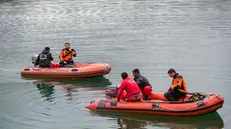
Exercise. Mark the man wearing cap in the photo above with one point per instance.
(178, 88)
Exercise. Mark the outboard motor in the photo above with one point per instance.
(111, 91)
(33, 58)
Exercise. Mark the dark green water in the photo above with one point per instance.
(192, 36)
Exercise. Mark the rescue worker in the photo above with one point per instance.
(178, 88)
(44, 58)
(143, 83)
(66, 55)
(129, 89)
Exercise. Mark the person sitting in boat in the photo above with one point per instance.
(143, 83)
(178, 88)
(66, 55)
(128, 89)
(44, 58)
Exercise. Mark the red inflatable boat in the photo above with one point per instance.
(194, 104)
(77, 70)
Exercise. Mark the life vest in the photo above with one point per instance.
(179, 83)
(66, 55)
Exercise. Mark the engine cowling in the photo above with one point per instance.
(111, 91)
(33, 58)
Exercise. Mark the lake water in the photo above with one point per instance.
(192, 36)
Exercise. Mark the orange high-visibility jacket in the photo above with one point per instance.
(178, 83)
(66, 55)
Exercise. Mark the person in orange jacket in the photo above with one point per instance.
(128, 89)
(66, 55)
(178, 88)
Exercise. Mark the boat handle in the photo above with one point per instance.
(27, 69)
(74, 70)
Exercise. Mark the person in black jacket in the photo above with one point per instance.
(44, 58)
(143, 83)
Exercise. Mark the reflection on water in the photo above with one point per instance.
(81, 82)
(68, 86)
(46, 90)
(134, 121)
(131, 124)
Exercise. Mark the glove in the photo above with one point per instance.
(74, 51)
(176, 88)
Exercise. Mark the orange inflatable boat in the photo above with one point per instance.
(78, 70)
(194, 104)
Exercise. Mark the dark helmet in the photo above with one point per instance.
(47, 48)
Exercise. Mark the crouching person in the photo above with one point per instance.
(128, 90)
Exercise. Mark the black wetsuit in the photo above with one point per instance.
(142, 81)
(44, 59)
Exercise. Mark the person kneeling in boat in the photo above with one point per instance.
(178, 88)
(44, 59)
(128, 89)
(66, 55)
(143, 83)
